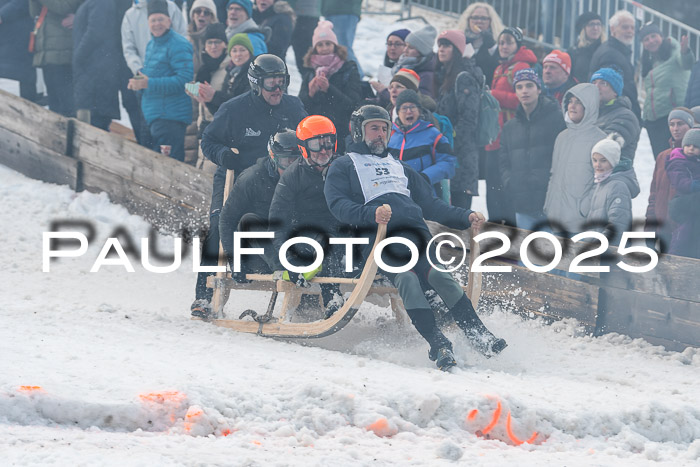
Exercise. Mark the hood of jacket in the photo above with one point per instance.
(588, 94)
(628, 177)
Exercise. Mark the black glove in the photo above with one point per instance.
(230, 160)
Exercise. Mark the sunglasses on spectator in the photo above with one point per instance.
(274, 83)
(321, 142)
(480, 18)
(396, 44)
(202, 11)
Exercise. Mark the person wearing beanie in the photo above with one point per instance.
(420, 144)
(202, 14)
(279, 17)
(680, 121)
(458, 83)
(239, 19)
(167, 67)
(513, 57)
(395, 46)
(210, 74)
(615, 113)
(556, 74)
(616, 53)
(527, 143)
(683, 170)
(591, 33)
(403, 79)
(419, 57)
(666, 68)
(331, 84)
(614, 187)
(344, 14)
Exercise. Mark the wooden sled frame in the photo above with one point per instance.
(222, 284)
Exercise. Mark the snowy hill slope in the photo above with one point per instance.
(100, 345)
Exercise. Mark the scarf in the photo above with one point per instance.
(246, 25)
(326, 65)
(209, 66)
(597, 178)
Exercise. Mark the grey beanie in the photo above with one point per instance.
(691, 137)
(423, 39)
(683, 115)
(696, 113)
(408, 95)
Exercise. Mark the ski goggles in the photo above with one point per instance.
(321, 142)
(285, 161)
(274, 83)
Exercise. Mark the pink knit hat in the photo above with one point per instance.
(456, 38)
(562, 59)
(324, 32)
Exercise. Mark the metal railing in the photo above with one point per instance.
(551, 23)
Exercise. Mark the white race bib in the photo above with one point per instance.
(380, 175)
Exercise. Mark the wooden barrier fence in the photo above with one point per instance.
(661, 306)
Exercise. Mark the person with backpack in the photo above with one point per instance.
(420, 144)
(331, 84)
(458, 89)
(527, 143)
(513, 57)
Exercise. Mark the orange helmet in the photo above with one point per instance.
(312, 128)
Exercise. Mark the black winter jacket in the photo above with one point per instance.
(526, 154)
(298, 204)
(618, 117)
(581, 61)
(96, 58)
(246, 124)
(692, 94)
(461, 105)
(252, 193)
(614, 52)
(280, 19)
(347, 203)
(343, 95)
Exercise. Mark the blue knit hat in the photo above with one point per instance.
(402, 33)
(247, 5)
(527, 74)
(612, 77)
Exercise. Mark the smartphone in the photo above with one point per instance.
(193, 88)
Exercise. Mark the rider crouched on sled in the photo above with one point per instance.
(299, 209)
(359, 184)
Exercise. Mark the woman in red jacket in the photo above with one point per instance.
(513, 56)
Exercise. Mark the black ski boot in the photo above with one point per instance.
(440, 346)
(201, 309)
(481, 338)
(334, 305)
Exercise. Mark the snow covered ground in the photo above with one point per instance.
(107, 369)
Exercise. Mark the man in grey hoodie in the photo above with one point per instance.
(571, 160)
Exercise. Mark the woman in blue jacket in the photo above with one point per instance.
(167, 67)
(419, 143)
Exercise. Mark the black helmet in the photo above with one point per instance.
(283, 148)
(364, 115)
(266, 66)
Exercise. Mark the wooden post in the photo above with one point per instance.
(221, 292)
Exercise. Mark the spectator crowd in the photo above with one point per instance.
(553, 134)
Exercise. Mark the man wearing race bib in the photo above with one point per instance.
(359, 184)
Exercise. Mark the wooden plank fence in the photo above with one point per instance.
(661, 306)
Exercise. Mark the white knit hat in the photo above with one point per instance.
(610, 148)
